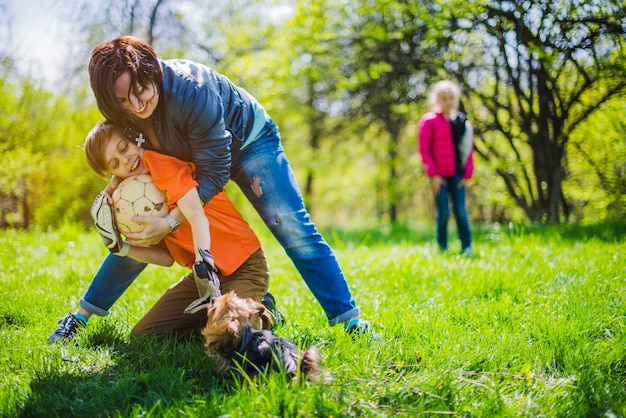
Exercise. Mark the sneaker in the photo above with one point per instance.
(270, 303)
(468, 252)
(361, 328)
(67, 329)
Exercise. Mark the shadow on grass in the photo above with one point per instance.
(380, 235)
(610, 231)
(140, 377)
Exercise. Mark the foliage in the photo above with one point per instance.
(546, 67)
(346, 83)
(43, 166)
(534, 325)
(148, 19)
(33, 143)
(311, 71)
(384, 73)
(22, 143)
(596, 182)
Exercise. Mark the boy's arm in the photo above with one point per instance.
(191, 207)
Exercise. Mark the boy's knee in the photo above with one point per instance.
(250, 280)
(245, 288)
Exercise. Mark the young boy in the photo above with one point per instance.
(216, 226)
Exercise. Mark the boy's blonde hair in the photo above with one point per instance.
(95, 144)
(443, 86)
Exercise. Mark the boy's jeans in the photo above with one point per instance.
(451, 188)
(265, 176)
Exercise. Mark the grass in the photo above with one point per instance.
(533, 325)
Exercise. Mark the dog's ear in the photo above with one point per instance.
(260, 317)
(267, 320)
(259, 308)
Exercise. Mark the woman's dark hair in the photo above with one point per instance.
(110, 60)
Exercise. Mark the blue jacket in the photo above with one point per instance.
(201, 117)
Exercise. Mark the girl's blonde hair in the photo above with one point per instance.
(95, 144)
(441, 87)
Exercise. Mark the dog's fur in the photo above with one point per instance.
(240, 340)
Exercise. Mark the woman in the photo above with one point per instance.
(445, 144)
(191, 112)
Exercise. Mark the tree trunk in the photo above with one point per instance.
(315, 121)
(393, 127)
(549, 175)
(25, 205)
(153, 17)
(308, 189)
(555, 195)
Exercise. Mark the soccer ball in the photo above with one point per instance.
(137, 196)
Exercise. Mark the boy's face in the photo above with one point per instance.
(123, 158)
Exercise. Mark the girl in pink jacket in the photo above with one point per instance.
(445, 144)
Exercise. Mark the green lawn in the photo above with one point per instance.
(533, 325)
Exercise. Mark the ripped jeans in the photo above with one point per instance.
(263, 173)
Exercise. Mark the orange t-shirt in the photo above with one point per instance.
(232, 239)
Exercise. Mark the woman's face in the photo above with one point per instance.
(141, 105)
(123, 158)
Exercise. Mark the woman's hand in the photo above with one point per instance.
(156, 228)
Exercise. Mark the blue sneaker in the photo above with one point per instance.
(361, 328)
(67, 329)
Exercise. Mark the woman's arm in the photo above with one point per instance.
(197, 109)
(210, 150)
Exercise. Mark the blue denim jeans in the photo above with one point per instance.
(263, 173)
(457, 194)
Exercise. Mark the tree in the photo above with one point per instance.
(306, 80)
(596, 159)
(546, 67)
(392, 58)
(20, 129)
(41, 161)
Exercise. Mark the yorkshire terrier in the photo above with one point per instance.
(238, 335)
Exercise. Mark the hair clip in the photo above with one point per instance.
(140, 140)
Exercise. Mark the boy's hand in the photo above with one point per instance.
(102, 214)
(207, 282)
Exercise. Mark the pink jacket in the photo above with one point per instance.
(437, 147)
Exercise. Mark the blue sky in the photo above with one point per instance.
(39, 37)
